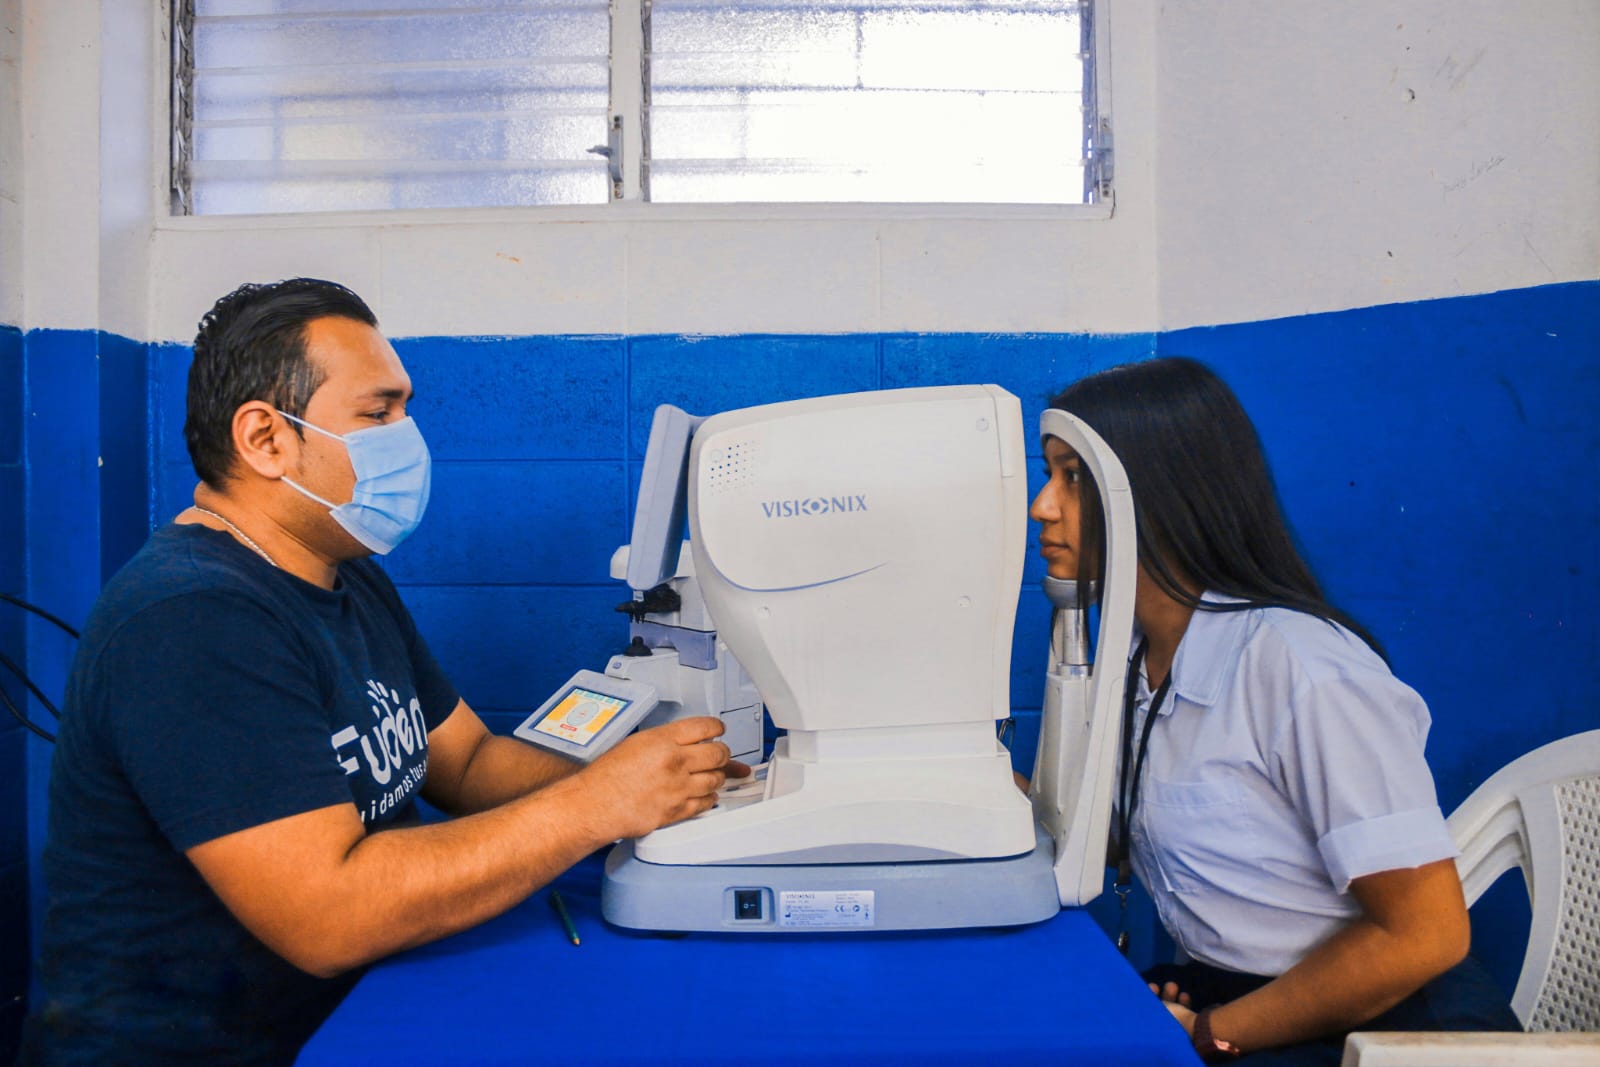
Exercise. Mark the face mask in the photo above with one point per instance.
(393, 476)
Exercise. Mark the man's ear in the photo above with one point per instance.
(258, 438)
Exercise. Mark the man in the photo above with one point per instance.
(251, 704)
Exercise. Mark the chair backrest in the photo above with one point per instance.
(1541, 813)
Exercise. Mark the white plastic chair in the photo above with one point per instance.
(1540, 813)
(1377, 1049)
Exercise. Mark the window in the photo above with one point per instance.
(325, 105)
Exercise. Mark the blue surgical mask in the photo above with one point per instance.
(393, 475)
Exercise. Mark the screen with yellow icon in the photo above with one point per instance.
(588, 715)
(581, 715)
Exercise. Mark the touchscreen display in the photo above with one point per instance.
(579, 716)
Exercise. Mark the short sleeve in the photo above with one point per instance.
(1352, 762)
(217, 720)
(435, 692)
(438, 696)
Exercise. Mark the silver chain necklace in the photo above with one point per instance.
(240, 534)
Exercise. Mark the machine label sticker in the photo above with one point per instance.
(581, 715)
(836, 907)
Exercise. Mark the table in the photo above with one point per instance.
(514, 990)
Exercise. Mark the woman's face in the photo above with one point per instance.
(1056, 510)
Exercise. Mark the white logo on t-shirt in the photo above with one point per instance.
(398, 731)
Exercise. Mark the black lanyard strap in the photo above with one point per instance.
(1128, 784)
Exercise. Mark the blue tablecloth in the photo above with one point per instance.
(515, 991)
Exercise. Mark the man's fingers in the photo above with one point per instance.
(703, 783)
(706, 756)
(693, 806)
(693, 730)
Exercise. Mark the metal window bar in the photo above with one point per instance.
(630, 96)
(181, 102)
(1098, 166)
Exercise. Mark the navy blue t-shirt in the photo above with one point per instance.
(212, 692)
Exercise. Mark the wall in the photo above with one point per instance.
(1436, 458)
(1315, 157)
(13, 772)
(13, 769)
(1438, 462)
(1379, 221)
(508, 575)
(529, 504)
(10, 162)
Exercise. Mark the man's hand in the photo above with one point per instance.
(658, 776)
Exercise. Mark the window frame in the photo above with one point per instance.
(627, 202)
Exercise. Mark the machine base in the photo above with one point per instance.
(854, 897)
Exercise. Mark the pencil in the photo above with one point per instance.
(561, 912)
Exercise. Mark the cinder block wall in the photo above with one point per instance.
(13, 765)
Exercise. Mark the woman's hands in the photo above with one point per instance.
(1177, 1002)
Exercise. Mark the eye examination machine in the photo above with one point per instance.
(853, 565)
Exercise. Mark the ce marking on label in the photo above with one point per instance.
(850, 908)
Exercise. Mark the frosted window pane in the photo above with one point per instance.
(285, 189)
(925, 102)
(306, 105)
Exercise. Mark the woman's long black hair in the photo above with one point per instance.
(1205, 503)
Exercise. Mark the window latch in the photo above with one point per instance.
(612, 150)
(1102, 162)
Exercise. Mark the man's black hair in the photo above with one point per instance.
(1203, 497)
(251, 346)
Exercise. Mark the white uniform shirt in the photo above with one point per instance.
(1285, 761)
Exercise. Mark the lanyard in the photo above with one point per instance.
(1128, 784)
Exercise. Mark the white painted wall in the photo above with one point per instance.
(1274, 157)
(133, 158)
(60, 108)
(10, 161)
(694, 269)
(1315, 156)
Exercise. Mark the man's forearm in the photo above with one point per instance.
(503, 769)
(325, 894)
(404, 887)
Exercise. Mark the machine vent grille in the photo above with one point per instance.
(732, 466)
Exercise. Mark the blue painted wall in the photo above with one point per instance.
(13, 774)
(1437, 459)
(538, 444)
(75, 448)
(1441, 464)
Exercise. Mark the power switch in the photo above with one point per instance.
(747, 905)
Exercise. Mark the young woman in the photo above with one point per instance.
(1273, 798)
